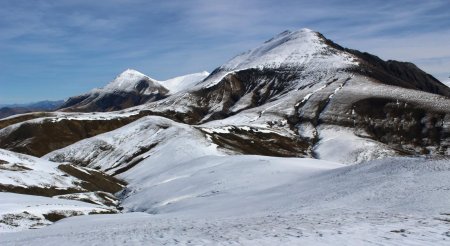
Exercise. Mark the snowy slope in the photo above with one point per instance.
(173, 167)
(340, 228)
(395, 201)
(147, 138)
(20, 212)
(26, 171)
(185, 82)
(243, 185)
(42, 179)
(154, 153)
(215, 185)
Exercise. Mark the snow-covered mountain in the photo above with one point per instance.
(299, 83)
(129, 89)
(297, 141)
(304, 83)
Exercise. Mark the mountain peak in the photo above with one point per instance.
(130, 71)
(129, 88)
(290, 48)
(290, 32)
(127, 81)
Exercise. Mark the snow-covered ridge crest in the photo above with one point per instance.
(184, 82)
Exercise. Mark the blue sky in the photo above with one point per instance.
(56, 48)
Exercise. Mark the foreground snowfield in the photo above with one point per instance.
(184, 189)
(254, 200)
(338, 228)
(20, 212)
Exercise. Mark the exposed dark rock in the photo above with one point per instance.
(95, 180)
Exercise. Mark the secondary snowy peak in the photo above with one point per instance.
(131, 80)
(291, 48)
(130, 88)
(184, 82)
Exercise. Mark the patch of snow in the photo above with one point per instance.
(228, 129)
(27, 171)
(340, 144)
(20, 212)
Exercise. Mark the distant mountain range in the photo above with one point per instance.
(12, 109)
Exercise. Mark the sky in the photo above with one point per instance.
(55, 49)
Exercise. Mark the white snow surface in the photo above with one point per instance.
(19, 212)
(253, 200)
(26, 171)
(185, 82)
(216, 185)
(340, 144)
